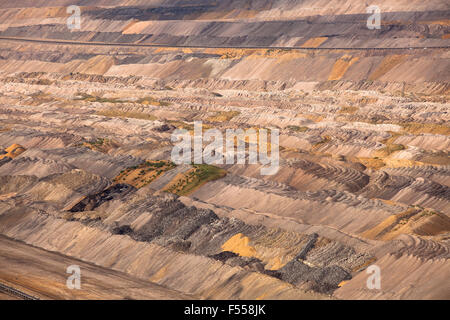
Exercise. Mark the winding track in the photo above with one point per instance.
(16, 293)
(59, 41)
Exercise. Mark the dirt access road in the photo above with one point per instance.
(137, 45)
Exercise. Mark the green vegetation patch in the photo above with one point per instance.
(298, 128)
(191, 180)
(91, 98)
(118, 113)
(141, 175)
(152, 101)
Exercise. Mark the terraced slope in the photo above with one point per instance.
(234, 23)
(364, 177)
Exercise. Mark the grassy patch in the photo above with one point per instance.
(118, 113)
(182, 125)
(91, 98)
(152, 101)
(188, 126)
(44, 82)
(297, 128)
(187, 182)
(390, 147)
(224, 116)
(99, 141)
(325, 139)
(380, 159)
(100, 145)
(141, 175)
(145, 101)
(348, 110)
(372, 163)
(417, 128)
(39, 98)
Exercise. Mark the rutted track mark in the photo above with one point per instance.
(16, 293)
(209, 47)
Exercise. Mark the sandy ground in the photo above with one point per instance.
(42, 274)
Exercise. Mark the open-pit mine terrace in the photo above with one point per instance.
(86, 176)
